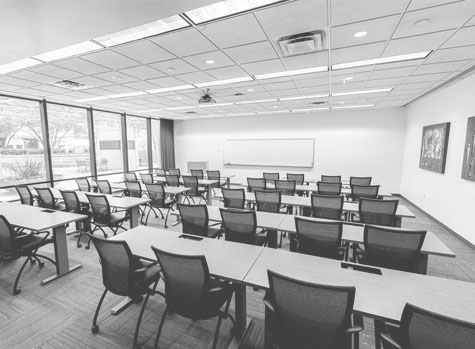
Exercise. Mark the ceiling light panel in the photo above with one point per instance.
(353, 106)
(258, 101)
(391, 59)
(92, 99)
(349, 93)
(173, 88)
(304, 97)
(127, 94)
(69, 51)
(224, 82)
(18, 65)
(291, 72)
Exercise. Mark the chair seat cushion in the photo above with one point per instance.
(147, 278)
(31, 241)
(117, 218)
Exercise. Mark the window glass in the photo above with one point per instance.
(137, 142)
(156, 144)
(108, 142)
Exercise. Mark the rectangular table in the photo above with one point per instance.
(39, 219)
(313, 188)
(208, 183)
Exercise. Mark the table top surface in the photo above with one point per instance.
(226, 259)
(200, 181)
(263, 219)
(312, 187)
(123, 202)
(36, 218)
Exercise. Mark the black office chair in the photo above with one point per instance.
(174, 172)
(234, 198)
(103, 186)
(147, 178)
(299, 178)
(134, 189)
(73, 205)
(420, 329)
(269, 201)
(270, 177)
(130, 177)
(191, 292)
(172, 180)
(15, 244)
(363, 191)
(241, 226)
(286, 187)
(158, 197)
(195, 190)
(195, 221)
(329, 188)
(327, 207)
(26, 197)
(216, 176)
(360, 180)
(47, 200)
(160, 172)
(391, 248)
(83, 184)
(124, 275)
(197, 173)
(319, 238)
(255, 184)
(305, 315)
(103, 217)
(377, 212)
(331, 179)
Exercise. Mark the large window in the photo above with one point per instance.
(137, 142)
(108, 142)
(156, 144)
(21, 142)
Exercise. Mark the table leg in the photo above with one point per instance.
(242, 322)
(228, 182)
(134, 216)
(422, 265)
(61, 255)
(272, 238)
(398, 221)
(209, 195)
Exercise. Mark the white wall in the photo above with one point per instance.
(447, 197)
(359, 143)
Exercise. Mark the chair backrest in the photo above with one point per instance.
(329, 188)
(299, 178)
(192, 183)
(117, 264)
(255, 184)
(310, 315)
(239, 226)
(318, 238)
(146, 178)
(160, 172)
(285, 187)
(130, 177)
(83, 184)
(331, 179)
(270, 177)
(328, 207)
(393, 248)
(101, 212)
(378, 212)
(364, 191)
(46, 198)
(197, 173)
(421, 328)
(156, 193)
(268, 201)
(360, 180)
(234, 198)
(7, 234)
(71, 201)
(172, 180)
(186, 281)
(26, 197)
(214, 174)
(194, 219)
(104, 186)
(134, 189)
(174, 171)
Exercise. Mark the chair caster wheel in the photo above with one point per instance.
(32, 262)
(79, 246)
(95, 329)
(87, 247)
(16, 292)
(41, 264)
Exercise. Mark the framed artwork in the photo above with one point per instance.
(468, 167)
(435, 139)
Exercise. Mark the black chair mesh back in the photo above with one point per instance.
(364, 191)
(160, 172)
(83, 184)
(186, 280)
(172, 180)
(6, 237)
(393, 248)
(320, 239)
(427, 330)
(270, 177)
(130, 176)
(46, 198)
(214, 175)
(71, 201)
(360, 180)
(192, 183)
(331, 179)
(268, 201)
(101, 212)
(156, 193)
(117, 263)
(378, 212)
(310, 315)
(194, 219)
(103, 186)
(174, 172)
(146, 178)
(197, 173)
(329, 188)
(297, 177)
(328, 207)
(239, 226)
(234, 198)
(24, 192)
(134, 189)
(285, 187)
(256, 184)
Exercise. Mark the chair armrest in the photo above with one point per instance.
(142, 270)
(214, 224)
(358, 325)
(269, 305)
(342, 252)
(386, 339)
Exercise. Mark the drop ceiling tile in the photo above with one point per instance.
(114, 89)
(38, 78)
(357, 53)
(419, 4)
(463, 37)
(279, 86)
(81, 66)
(470, 22)
(312, 90)
(174, 67)
(9, 88)
(424, 78)
(309, 60)
(141, 85)
(348, 11)
(115, 77)
(144, 51)
(196, 77)
(276, 80)
(378, 29)
(142, 72)
(418, 43)
(227, 72)
(184, 42)
(259, 51)
(353, 86)
(264, 67)
(350, 78)
(444, 17)
(16, 81)
(391, 73)
(199, 60)
(403, 93)
(51, 89)
(92, 81)
(414, 86)
(98, 91)
(111, 60)
(412, 63)
(382, 83)
(440, 67)
(312, 82)
(166, 82)
(352, 71)
(452, 54)
(57, 72)
(235, 31)
(80, 95)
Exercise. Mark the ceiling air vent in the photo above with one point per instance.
(71, 85)
(298, 44)
(316, 103)
(190, 112)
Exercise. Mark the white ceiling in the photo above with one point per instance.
(246, 44)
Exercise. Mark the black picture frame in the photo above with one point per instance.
(468, 163)
(435, 141)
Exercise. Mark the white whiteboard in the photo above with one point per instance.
(297, 152)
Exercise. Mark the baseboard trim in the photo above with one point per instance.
(461, 238)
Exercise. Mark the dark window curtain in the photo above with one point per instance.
(167, 143)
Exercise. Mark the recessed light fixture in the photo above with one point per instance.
(422, 23)
(354, 106)
(349, 93)
(168, 89)
(170, 69)
(348, 78)
(240, 114)
(250, 90)
(308, 110)
(181, 108)
(17, 65)
(258, 101)
(223, 82)
(391, 59)
(210, 61)
(360, 34)
(127, 94)
(116, 78)
(303, 97)
(69, 51)
(291, 72)
(210, 116)
(214, 105)
(273, 111)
